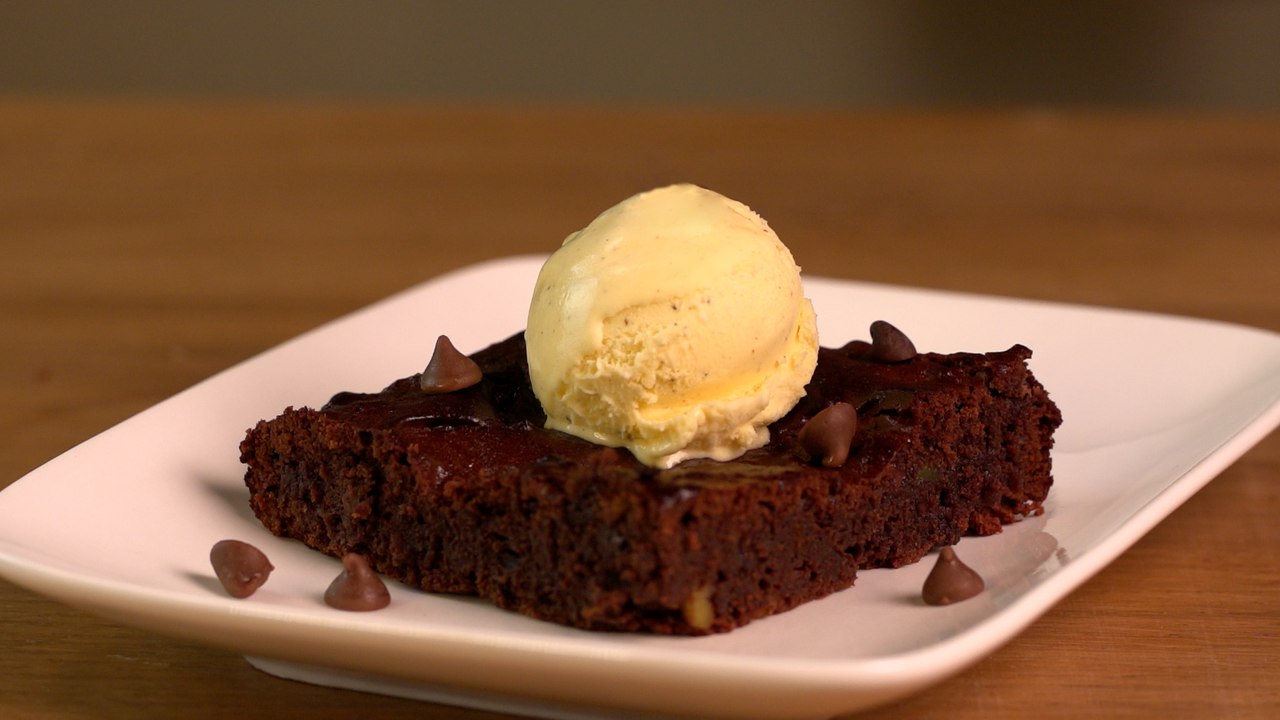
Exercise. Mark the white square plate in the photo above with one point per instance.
(121, 525)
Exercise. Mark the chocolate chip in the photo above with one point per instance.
(950, 581)
(449, 369)
(357, 588)
(889, 344)
(240, 567)
(828, 434)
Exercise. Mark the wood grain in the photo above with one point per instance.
(148, 245)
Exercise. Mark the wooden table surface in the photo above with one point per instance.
(147, 245)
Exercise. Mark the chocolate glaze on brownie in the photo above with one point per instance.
(467, 492)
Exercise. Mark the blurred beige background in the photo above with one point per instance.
(1197, 53)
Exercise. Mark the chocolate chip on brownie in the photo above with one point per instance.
(828, 434)
(449, 370)
(889, 344)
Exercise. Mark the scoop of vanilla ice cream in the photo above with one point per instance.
(674, 325)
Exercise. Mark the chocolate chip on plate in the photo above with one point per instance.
(889, 344)
(357, 588)
(449, 369)
(829, 434)
(950, 581)
(240, 567)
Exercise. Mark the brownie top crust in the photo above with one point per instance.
(498, 422)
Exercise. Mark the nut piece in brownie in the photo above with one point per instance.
(467, 492)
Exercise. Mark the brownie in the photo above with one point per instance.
(467, 492)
